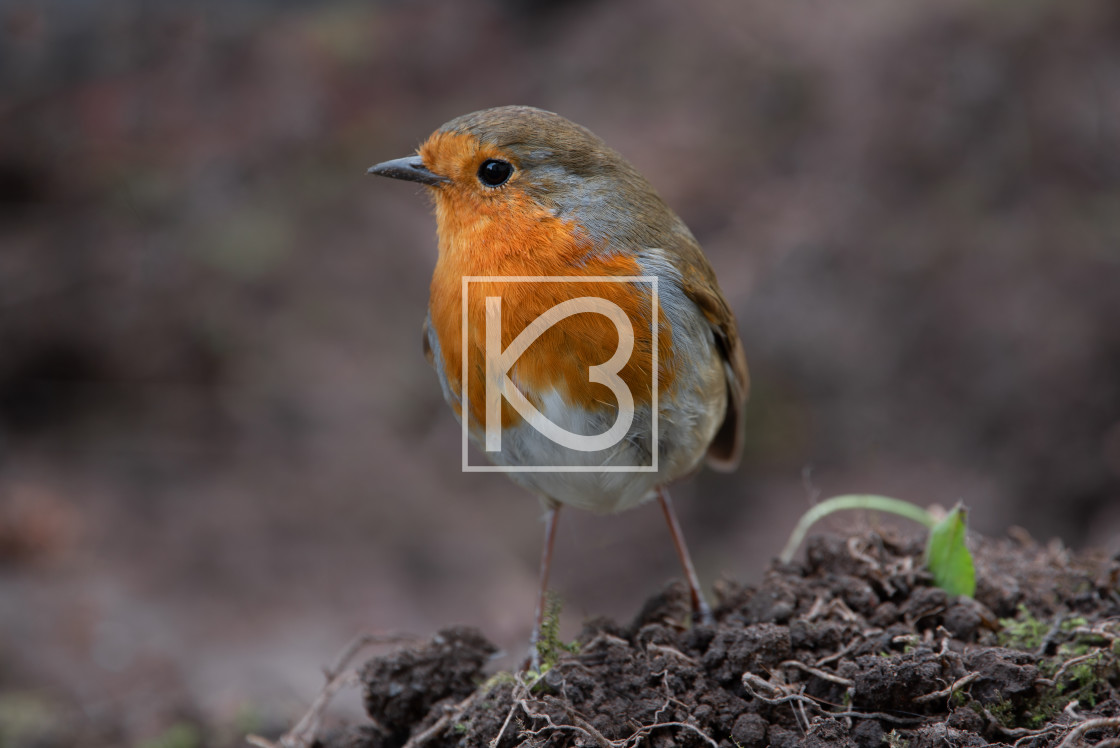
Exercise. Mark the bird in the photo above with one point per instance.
(558, 260)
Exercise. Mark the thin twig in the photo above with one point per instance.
(847, 648)
(589, 728)
(586, 728)
(517, 694)
(835, 605)
(1051, 635)
(1100, 628)
(451, 714)
(361, 642)
(947, 692)
(822, 674)
(1089, 724)
(553, 726)
(579, 721)
(683, 725)
(1037, 733)
(787, 699)
(1066, 666)
(662, 649)
(856, 552)
(431, 732)
(879, 715)
(1014, 732)
(303, 733)
(751, 681)
(803, 721)
(509, 716)
(604, 638)
(815, 609)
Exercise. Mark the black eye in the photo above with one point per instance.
(494, 173)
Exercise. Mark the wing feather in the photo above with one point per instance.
(700, 285)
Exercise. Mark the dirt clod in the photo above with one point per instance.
(854, 648)
(402, 689)
(1006, 674)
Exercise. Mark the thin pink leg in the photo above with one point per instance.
(700, 610)
(546, 567)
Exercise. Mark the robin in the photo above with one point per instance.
(576, 327)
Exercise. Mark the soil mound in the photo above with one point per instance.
(852, 647)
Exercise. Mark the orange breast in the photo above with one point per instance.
(483, 240)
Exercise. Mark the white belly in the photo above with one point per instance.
(624, 475)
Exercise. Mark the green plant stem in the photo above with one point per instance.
(852, 501)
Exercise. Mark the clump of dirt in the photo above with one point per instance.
(417, 681)
(852, 647)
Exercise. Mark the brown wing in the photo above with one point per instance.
(426, 342)
(699, 284)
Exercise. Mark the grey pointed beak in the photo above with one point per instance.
(409, 168)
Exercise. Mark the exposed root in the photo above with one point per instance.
(339, 675)
(1070, 663)
(451, 715)
(945, 693)
(786, 695)
(823, 674)
(1092, 724)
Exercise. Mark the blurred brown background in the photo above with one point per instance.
(222, 453)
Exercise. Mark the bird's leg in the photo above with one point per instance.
(546, 566)
(700, 611)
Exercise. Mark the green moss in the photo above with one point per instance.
(1014, 716)
(1024, 631)
(1004, 712)
(549, 646)
(1087, 682)
(1073, 623)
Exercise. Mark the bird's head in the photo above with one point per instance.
(519, 163)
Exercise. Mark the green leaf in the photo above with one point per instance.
(947, 556)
